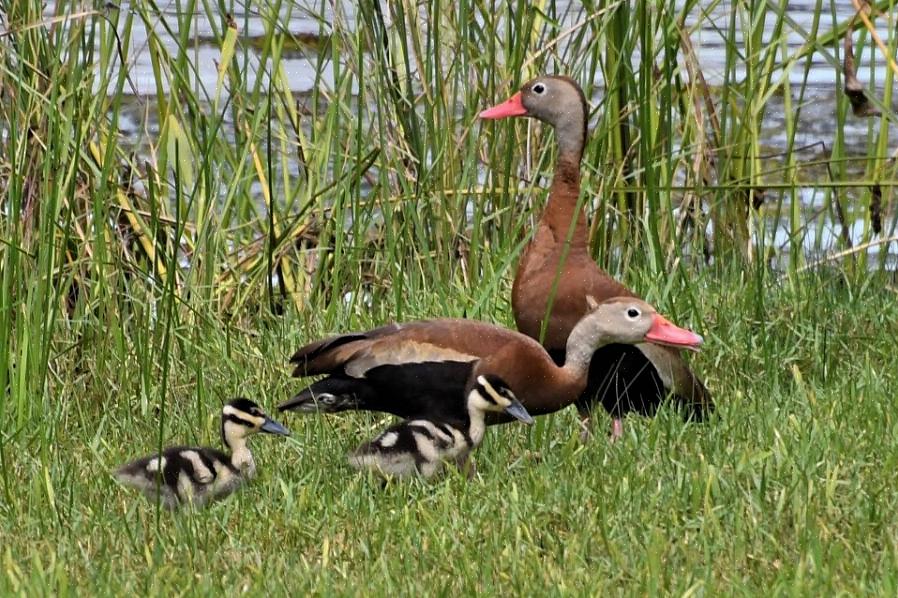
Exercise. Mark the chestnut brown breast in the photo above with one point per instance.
(621, 377)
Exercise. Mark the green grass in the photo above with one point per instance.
(379, 197)
(790, 486)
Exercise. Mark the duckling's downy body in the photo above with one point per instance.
(197, 475)
(422, 446)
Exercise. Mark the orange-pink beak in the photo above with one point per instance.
(663, 332)
(513, 106)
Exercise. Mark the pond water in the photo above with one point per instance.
(303, 19)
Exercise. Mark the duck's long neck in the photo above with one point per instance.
(562, 211)
(586, 337)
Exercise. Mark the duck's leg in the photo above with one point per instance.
(585, 427)
(617, 429)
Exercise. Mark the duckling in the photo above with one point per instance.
(197, 475)
(421, 446)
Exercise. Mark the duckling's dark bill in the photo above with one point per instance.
(517, 411)
(273, 427)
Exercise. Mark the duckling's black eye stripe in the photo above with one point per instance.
(491, 395)
(239, 420)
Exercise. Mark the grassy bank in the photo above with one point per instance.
(789, 486)
(143, 280)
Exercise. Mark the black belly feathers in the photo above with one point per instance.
(438, 388)
(184, 475)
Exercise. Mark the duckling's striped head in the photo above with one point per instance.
(242, 417)
(492, 393)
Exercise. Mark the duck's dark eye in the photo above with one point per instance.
(632, 313)
(539, 88)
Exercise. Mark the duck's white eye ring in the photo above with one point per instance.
(539, 88)
(632, 313)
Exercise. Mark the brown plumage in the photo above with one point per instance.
(622, 377)
(421, 369)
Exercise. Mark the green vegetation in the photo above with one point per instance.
(145, 280)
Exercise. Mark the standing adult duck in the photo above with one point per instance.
(622, 377)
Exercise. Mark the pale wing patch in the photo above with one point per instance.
(405, 352)
(226, 481)
(222, 470)
(460, 445)
(388, 439)
(202, 473)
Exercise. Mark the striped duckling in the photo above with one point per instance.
(421, 446)
(197, 475)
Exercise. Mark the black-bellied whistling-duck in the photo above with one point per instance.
(622, 377)
(422, 369)
(423, 446)
(196, 475)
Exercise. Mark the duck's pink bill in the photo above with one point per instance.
(513, 106)
(665, 333)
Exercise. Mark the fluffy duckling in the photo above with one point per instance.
(197, 475)
(422, 446)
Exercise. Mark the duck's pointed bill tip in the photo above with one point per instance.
(519, 412)
(663, 332)
(513, 106)
(273, 427)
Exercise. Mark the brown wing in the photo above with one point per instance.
(328, 355)
(426, 379)
(422, 341)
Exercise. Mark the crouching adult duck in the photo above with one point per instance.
(422, 369)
